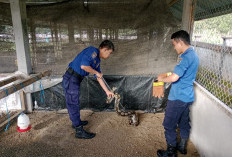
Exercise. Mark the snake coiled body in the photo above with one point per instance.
(133, 117)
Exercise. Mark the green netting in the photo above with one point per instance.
(139, 29)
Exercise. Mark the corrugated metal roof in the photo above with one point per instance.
(204, 8)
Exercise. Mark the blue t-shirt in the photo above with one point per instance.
(186, 69)
(88, 57)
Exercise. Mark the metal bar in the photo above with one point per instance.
(106, 84)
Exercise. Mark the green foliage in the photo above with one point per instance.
(41, 30)
(6, 29)
(7, 47)
(212, 29)
(126, 31)
(209, 80)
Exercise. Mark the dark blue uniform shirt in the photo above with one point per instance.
(182, 89)
(88, 57)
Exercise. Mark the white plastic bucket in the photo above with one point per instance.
(23, 123)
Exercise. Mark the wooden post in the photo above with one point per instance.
(23, 100)
(188, 16)
(71, 33)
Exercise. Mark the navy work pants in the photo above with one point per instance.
(71, 85)
(176, 115)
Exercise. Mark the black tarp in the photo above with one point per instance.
(135, 92)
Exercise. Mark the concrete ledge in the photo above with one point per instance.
(211, 125)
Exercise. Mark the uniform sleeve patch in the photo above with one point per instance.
(179, 60)
(94, 55)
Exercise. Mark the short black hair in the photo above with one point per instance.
(181, 35)
(107, 44)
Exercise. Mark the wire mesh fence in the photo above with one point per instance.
(215, 73)
(59, 32)
(7, 42)
(215, 54)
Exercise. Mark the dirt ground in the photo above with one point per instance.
(52, 135)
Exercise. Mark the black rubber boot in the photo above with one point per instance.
(170, 152)
(83, 123)
(81, 133)
(181, 146)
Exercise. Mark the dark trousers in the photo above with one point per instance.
(71, 85)
(176, 115)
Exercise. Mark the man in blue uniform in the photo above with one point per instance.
(87, 61)
(181, 95)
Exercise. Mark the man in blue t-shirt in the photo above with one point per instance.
(181, 95)
(87, 61)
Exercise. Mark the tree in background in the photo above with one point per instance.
(213, 29)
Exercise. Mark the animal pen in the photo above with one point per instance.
(38, 35)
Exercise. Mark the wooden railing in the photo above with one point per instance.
(15, 87)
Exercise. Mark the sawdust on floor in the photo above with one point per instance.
(52, 135)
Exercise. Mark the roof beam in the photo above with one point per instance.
(172, 3)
